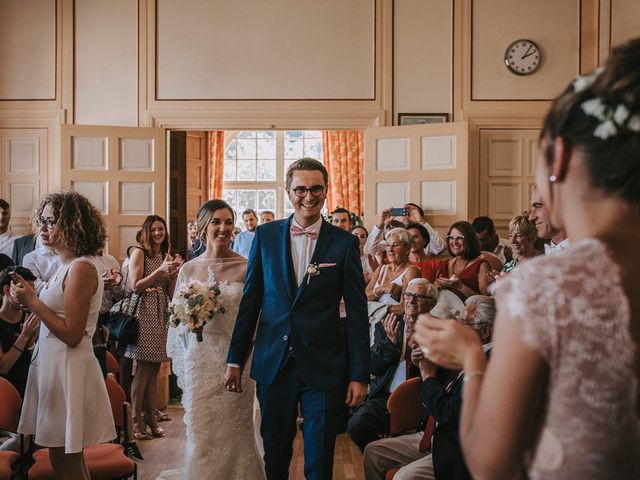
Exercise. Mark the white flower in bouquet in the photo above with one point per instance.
(197, 302)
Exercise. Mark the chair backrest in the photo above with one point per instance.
(405, 408)
(117, 398)
(112, 363)
(10, 406)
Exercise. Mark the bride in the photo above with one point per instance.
(220, 433)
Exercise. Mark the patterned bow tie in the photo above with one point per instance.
(295, 231)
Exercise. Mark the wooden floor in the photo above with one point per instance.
(167, 453)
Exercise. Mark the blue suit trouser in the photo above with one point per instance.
(323, 412)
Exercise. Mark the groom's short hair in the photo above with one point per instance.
(307, 164)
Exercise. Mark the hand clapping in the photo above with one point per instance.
(391, 326)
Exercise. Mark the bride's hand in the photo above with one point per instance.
(233, 379)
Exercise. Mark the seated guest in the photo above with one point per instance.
(390, 281)
(491, 243)
(434, 452)
(375, 251)
(243, 241)
(523, 236)
(390, 362)
(17, 331)
(540, 216)
(341, 218)
(22, 246)
(43, 263)
(431, 267)
(267, 216)
(466, 270)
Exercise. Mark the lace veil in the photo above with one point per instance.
(226, 271)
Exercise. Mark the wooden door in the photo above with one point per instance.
(197, 172)
(178, 191)
(122, 170)
(422, 164)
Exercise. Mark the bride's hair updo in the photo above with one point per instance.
(599, 114)
(206, 211)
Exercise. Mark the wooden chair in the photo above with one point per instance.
(105, 461)
(405, 409)
(10, 406)
(405, 412)
(112, 363)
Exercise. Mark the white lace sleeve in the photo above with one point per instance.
(177, 342)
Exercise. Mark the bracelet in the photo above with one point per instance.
(468, 376)
(18, 349)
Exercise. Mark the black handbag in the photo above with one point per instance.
(124, 326)
(121, 321)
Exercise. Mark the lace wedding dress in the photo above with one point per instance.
(220, 432)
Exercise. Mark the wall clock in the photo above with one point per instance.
(522, 57)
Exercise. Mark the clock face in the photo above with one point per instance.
(522, 57)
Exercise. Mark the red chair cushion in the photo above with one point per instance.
(391, 473)
(105, 461)
(6, 460)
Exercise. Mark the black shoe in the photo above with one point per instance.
(132, 451)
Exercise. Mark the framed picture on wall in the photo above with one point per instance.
(422, 118)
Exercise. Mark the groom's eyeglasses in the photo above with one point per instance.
(301, 192)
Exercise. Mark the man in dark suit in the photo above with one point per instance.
(298, 271)
(434, 452)
(390, 362)
(21, 247)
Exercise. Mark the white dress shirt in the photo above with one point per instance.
(105, 264)
(43, 263)
(6, 242)
(302, 247)
(554, 247)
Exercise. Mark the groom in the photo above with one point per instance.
(299, 269)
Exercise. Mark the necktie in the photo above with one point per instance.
(295, 231)
(430, 424)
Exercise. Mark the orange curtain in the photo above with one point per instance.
(344, 159)
(215, 143)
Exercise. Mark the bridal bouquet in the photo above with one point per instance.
(197, 302)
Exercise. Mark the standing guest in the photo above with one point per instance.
(341, 218)
(431, 267)
(43, 263)
(152, 278)
(390, 362)
(196, 246)
(390, 281)
(22, 246)
(540, 216)
(6, 236)
(490, 242)
(266, 217)
(242, 242)
(560, 397)
(298, 271)
(467, 271)
(66, 405)
(361, 233)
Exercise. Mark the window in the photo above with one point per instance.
(255, 166)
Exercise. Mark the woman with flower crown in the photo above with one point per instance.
(560, 397)
(220, 434)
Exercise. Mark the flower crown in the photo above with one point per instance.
(612, 117)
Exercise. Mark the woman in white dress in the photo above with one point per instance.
(220, 433)
(66, 404)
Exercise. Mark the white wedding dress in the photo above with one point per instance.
(220, 430)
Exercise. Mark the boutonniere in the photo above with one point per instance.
(313, 270)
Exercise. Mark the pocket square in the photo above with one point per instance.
(325, 265)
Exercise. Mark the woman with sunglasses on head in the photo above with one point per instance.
(390, 281)
(560, 398)
(66, 404)
(467, 272)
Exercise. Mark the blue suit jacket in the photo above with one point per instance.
(307, 316)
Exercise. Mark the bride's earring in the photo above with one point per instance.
(553, 179)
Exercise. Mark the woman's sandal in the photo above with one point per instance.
(162, 417)
(141, 434)
(158, 432)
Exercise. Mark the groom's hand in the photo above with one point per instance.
(356, 392)
(233, 379)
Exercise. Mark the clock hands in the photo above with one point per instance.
(526, 54)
